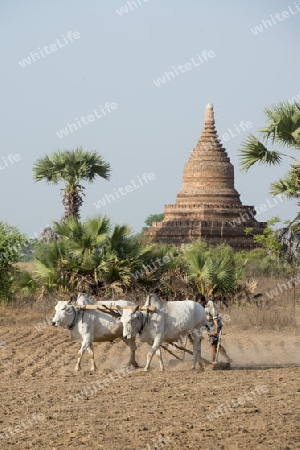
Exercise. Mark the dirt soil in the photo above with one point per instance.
(46, 405)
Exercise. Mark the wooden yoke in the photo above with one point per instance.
(95, 307)
(111, 310)
(115, 308)
(148, 308)
(141, 308)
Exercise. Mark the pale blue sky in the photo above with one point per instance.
(154, 128)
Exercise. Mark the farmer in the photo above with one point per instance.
(213, 326)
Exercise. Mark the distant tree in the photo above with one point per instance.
(47, 235)
(153, 218)
(282, 247)
(268, 238)
(11, 244)
(71, 167)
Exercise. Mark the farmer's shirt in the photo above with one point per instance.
(211, 313)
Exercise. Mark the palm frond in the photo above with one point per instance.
(196, 262)
(45, 169)
(97, 226)
(283, 125)
(288, 187)
(220, 274)
(253, 151)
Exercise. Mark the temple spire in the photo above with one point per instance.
(209, 137)
(208, 206)
(209, 120)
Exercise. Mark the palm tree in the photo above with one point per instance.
(212, 269)
(93, 255)
(282, 129)
(71, 167)
(84, 239)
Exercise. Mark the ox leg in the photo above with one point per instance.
(199, 357)
(197, 352)
(90, 350)
(149, 358)
(132, 345)
(84, 347)
(159, 356)
(153, 350)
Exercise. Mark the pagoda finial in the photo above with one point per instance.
(209, 136)
(209, 115)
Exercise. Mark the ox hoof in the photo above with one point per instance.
(131, 365)
(146, 369)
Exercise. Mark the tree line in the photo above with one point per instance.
(108, 260)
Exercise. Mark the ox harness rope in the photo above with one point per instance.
(76, 314)
(144, 320)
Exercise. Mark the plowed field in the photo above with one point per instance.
(46, 405)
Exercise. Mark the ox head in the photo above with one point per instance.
(64, 314)
(132, 321)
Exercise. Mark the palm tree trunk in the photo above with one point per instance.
(72, 202)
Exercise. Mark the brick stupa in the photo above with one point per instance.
(207, 206)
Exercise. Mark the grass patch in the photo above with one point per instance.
(273, 317)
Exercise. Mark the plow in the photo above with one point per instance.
(216, 365)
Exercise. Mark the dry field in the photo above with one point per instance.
(46, 405)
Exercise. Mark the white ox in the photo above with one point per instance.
(170, 322)
(87, 326)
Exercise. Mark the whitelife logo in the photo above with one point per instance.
(48, 49)
(168, 76)
(279, 17)
(244, 217)
(132, 5)
(126, 190)
(9, 160)
(85, 120)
